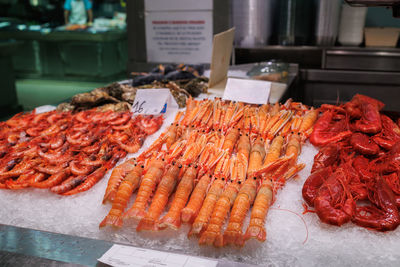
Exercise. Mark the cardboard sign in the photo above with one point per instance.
(221, 55)
(119, 255)
(249, 91)
(153, 101)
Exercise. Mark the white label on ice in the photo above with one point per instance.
(45, 108)
(249, 91)
(119, 255)
(179, 36)
(153, 101)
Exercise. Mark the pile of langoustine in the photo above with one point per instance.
(355, 175)
(222, 157)
(66, 152)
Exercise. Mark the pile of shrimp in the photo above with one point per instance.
(67, 153)
(213, 164)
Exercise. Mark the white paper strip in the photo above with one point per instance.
(249, 91)
(119, 255)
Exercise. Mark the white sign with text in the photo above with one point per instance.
(119, 255)
(179, 36)
(153, 101)
(249, 91)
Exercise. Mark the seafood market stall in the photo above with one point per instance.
(65, 228)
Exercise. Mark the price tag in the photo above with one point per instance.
(119, 255)
(153, 101)
(249, 91)
(45, 108)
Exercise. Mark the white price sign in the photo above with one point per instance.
(249, 91)
(45, 108)
(153, 101)
(119, 255)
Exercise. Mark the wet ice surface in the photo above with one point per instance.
(286, 244)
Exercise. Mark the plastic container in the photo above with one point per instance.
(352, 22)
(381, 37)
(327, 22)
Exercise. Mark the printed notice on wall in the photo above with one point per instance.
(179, 36)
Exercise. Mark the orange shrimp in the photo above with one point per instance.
(173, 218)
(124, 192)
(309, 120)
(237, 116)
(196, 199)
(207, 207)
(21, 182)
(95, 176)
(275, 109)
(160, 199)
(213, 235)
(263, 201)
(287, 128)
(228, 116)
(117, 175)
(279, 124)
(230, 140)
(244, 199)
(247, 119)
(147, 186)
(254, 119)
(53, 180)
(297, 121)
(274, 150)
(257, 155)
(190, 106)
(293, 147)
(217, 114)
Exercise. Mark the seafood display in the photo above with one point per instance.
(215, 163)
(355, 175)
(183, 81)
(68, 153)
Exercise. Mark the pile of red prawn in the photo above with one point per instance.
(355, 175)
(67, 153)
(212, 165)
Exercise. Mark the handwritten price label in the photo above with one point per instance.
(153, 101)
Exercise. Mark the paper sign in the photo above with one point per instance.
(153, 101)
(179, 36)
(249, 91)
(174, 5)
(221, 55)
(119, 255)
(45, 108)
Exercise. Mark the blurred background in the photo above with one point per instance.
(338, 49)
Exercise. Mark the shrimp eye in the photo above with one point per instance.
(180, 166)
(219, 130)
(210, 175)
(189, 165)
(298, 133)
(239, 129)
(255, 178)
(239, 182)
(247, 134)
(262, 139)
(195, 166)
(142, 166)
(223, 179)
(135, 164)
(240, 134)
(173, 163)
(177, 124)
(163, 159)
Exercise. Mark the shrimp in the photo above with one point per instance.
(207, 207)
(173, 218)
(160, 199)
(95, 176)
(293, 147)
(274, 150)
(117, 175)
(263, 201)
(147, 186)
(309, 120)
(228, 116)
(124, 192)
(213, 235)
(53, 180)
(230, 140)
(196, 199)
(279, 124)
(244, 199)
(257, 155)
